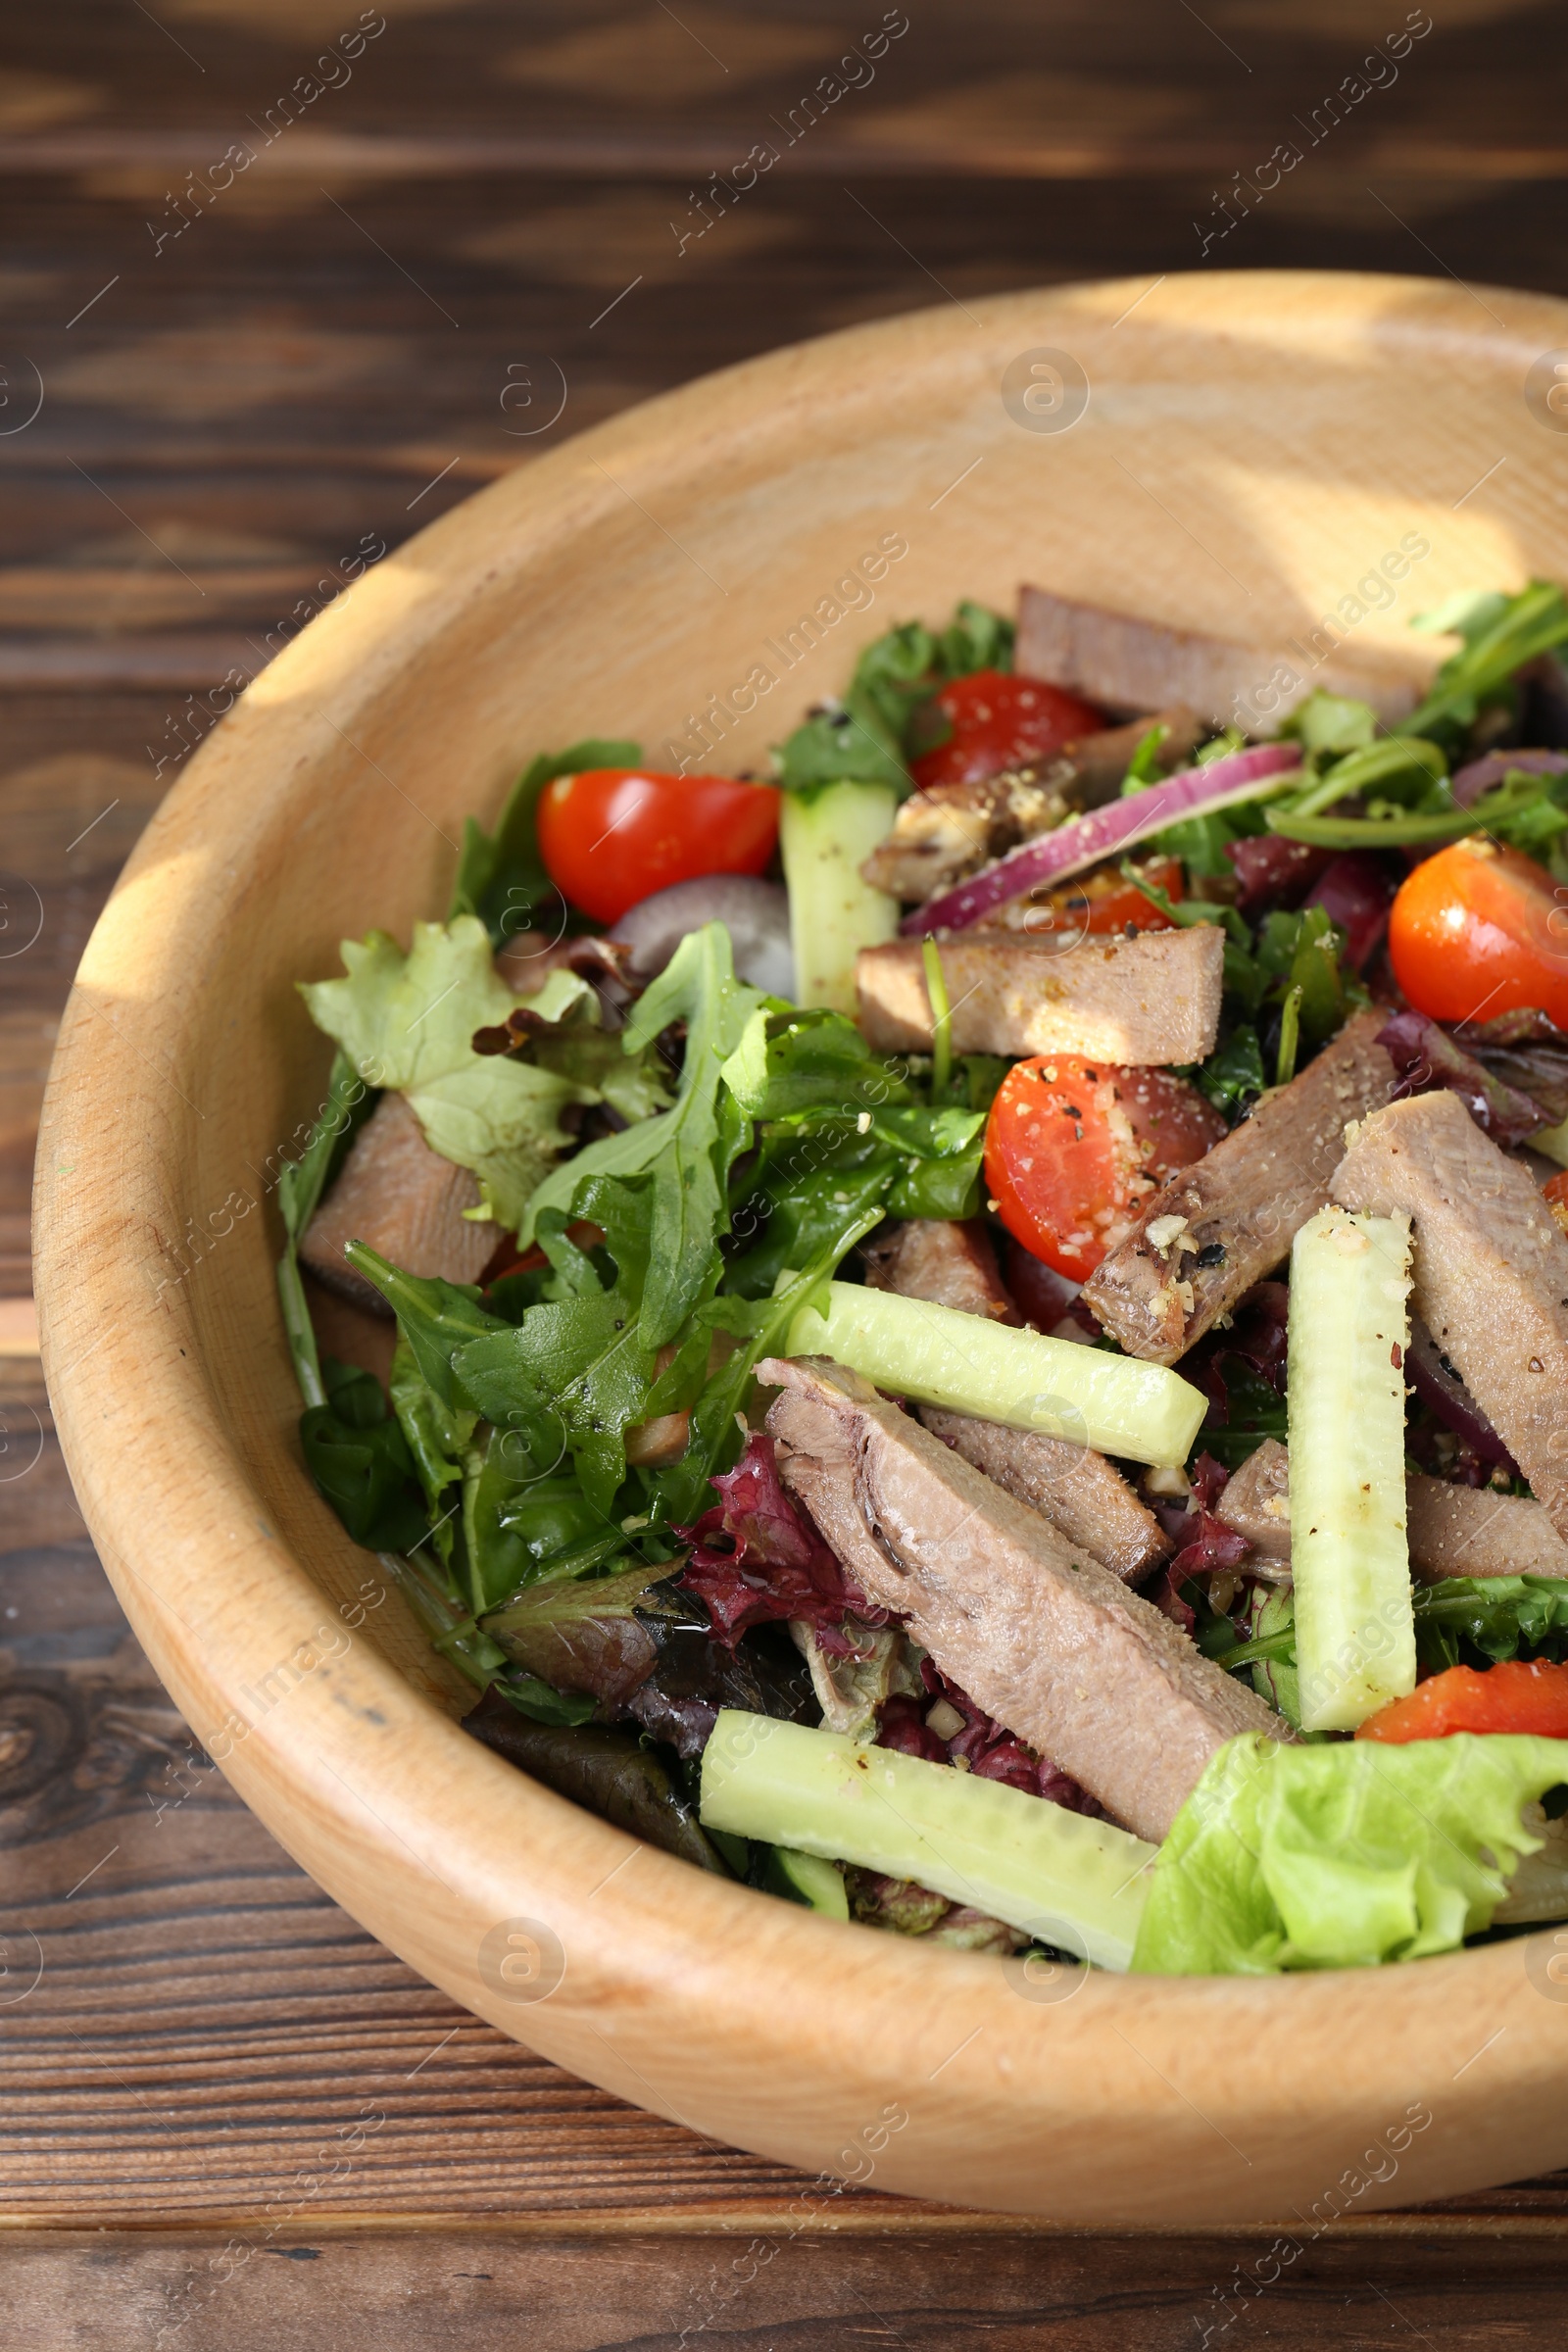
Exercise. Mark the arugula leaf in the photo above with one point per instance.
(437, 1435)
(1458, 1621)
(1469, 613)
(581, 1360)
(1200, 842)
(409, 1021)
(436, 1318)
(500, 876)
(1254, 1410)
(517, 1525)
(1497, 643)
(1499, 1616)
(300, 1185)
(1232, 1078)
(688, 1150)
(1347, 1853)
(679, 1493)
(359, 1463)
(1302, 951)
(1142, 768)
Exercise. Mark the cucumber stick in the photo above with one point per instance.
(824, 835)
(942, 1357)
(1074, 1883)
(807, 1879)
(1350, 1329)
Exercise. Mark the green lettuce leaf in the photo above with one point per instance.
(1344, 1856)
(408, 1022)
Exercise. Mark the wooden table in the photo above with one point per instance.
(248, 372)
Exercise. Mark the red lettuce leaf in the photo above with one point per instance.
(982, 1745)
(1272, 871)
(1426, 1056)
(1355, 892)
(755, 1560)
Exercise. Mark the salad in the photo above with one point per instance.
(974, 1333)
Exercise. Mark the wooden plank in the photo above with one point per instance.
(467, 2292)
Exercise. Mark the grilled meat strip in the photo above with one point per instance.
(405, 1201)
(1219, 1226)
(1134, 1002)
(1130, 664)
(1491, 1271)
(946, 1260)
(1048, 1642)
(1454, 1531)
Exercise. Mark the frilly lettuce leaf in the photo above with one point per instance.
(408, 1022)
(1341, 1856)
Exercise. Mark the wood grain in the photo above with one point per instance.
(284, 2007)
(468, 2291)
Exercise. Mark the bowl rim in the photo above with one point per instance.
(806, 2051)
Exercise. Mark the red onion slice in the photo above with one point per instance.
(1104, 832)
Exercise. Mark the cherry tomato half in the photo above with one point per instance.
(1477, 931)
(1000, 722)
(1074, 1148)
(1515, 1696)
(610, 837)
(1097, 902)
(1554, 1193)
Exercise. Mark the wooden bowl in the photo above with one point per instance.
(1252, 446)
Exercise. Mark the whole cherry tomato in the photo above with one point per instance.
(1074, 1149)
(1515, 1696)
(1479, 930)
(998, 721)
(610, 837)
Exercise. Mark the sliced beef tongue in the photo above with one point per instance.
(1210, 1233)
(1454, 1531)
(1078, 1490)
(1491, 1277)
(1046, 1641)
(1125, 664)
(1255, 1501)
(394, 1192)
(948, 1260)
(1133, 1002)
(1084, 1497)
(1470, 1531)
